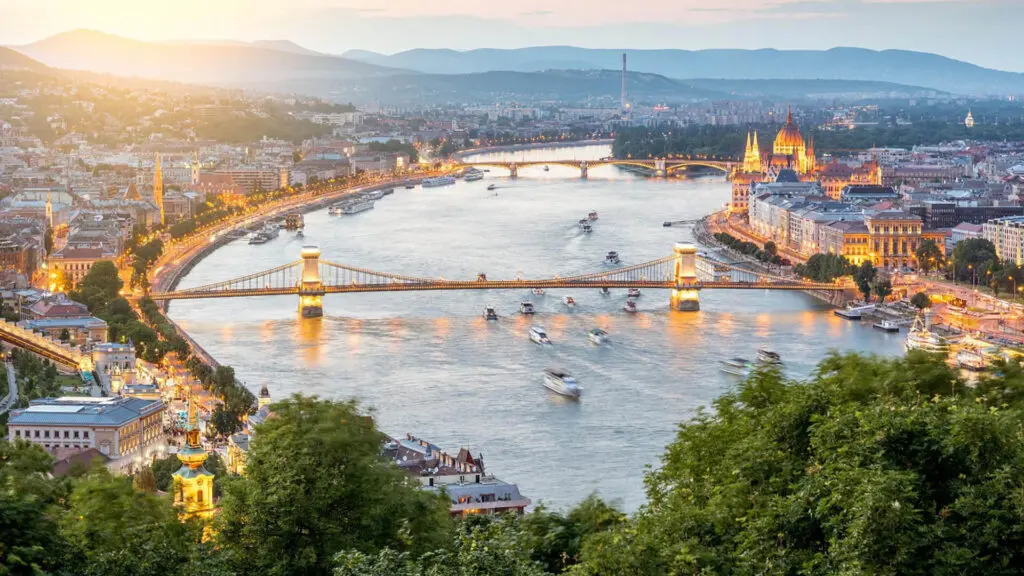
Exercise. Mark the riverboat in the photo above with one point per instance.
(629, 306)
(539, 336)
(357, 207)
(561, 382)
(490, 314)
(854, 312)
(538, 291)
(474, 176)
(438, 181)
(766, 356)
(293, 221)
(633, 293)
(612, 258)
(971, 358)
(598, 336)
(334, 210)
(736, 367)
(374, 195)
(526, 308)
(387, 191)
(569, 301)
(604, 291)
(921, 338)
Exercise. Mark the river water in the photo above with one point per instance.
(429, 364)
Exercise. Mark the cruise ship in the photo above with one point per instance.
(921, 338)
(561, 382)
(357, 207)
(474, 176)
(439, 181)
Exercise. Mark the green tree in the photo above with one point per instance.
(770, 250)
(929, 256)
(99, 286)
(316, 485)
(65, 335)
(971, 258)
(864, 276)
(921, 301)
(883, 288)
(28, 510)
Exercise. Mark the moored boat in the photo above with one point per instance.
(474, 176)
(357, 207)
(921, 338)
(438, 181)
(971, 358)
(886, 326)
(561, 382)
(854, 312)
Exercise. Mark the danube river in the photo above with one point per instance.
(429, 364)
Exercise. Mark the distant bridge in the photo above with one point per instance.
(684, 274)
(659, 166)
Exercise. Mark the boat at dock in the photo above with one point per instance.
(438, 181)
(410, 186)
(474, 176)
(854, 312)
(387, 191)
(971, 358)
(736, 367)
(920, 337)
(561, 382)
(539, 336)
(886, 326)
(357, 207)
(373, 195)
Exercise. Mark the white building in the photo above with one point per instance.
(1007, 234)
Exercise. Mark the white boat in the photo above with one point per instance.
(766, 356)
(357, 207)
(561, 382)
(854, 312)
(592, 216)
(612, 258)
(539, 336)
(921, 338)
(971, 358)
(598, 336)
(568, 301)
(629, 306)
(334, 210)
(886, 326)
(474, 176)
(605, 291)
(634, 293)
(526, 307)
(438, 181)
(736, 367)
(299, 234)
(538, 291)
(374, 195)
(490, 314)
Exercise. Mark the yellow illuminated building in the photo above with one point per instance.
(193, 483)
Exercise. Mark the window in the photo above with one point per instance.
(46, 434)
(37, 434)
(85, 434)
(66, 433)
(76, 434)
(17, 433)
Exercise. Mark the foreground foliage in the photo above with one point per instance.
(871, 466)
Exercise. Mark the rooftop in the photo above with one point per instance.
(84, 411)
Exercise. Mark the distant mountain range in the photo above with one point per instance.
(897, 66)
(538, 73)
(13, 60)
(219, 64)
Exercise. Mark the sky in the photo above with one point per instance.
(983, 32)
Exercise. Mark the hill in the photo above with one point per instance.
(218, 64)
(897, 66)
(14, 60)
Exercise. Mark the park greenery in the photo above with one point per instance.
(825, 268)
(869, 466)
(768, 254)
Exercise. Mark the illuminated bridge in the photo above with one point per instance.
(659, 166)
(684, 273)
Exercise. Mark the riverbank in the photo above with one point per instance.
(458, 156)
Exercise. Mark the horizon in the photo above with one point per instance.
(333, 27)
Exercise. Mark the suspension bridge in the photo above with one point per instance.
(659, 166)
(684, 273)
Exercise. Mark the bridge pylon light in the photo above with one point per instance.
(513, 170)
(685, 295)
(659, 168)
(311, 286)
(584, 170)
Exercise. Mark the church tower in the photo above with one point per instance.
(158, 188)
(195, 168)
(193, 483)
(752, 156)
(49, 210)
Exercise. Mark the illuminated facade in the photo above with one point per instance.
(745, 177)
(193, 483)
(158, 190)
(790, 151)
(894, 237)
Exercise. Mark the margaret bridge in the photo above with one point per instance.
(658, 166)
(684, 273)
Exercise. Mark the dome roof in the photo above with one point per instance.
(790, 138)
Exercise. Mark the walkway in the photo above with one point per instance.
(12, 393)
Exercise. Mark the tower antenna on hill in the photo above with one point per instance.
(624, 103)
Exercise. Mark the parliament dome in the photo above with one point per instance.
(789, 140)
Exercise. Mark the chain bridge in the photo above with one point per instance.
(659, 166)
(684, 273)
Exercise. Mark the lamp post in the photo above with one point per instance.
(1014, 288)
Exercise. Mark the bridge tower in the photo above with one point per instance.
(659, 168)
(311, 286)
(513, 170)
(583, 169)
(684, 296)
